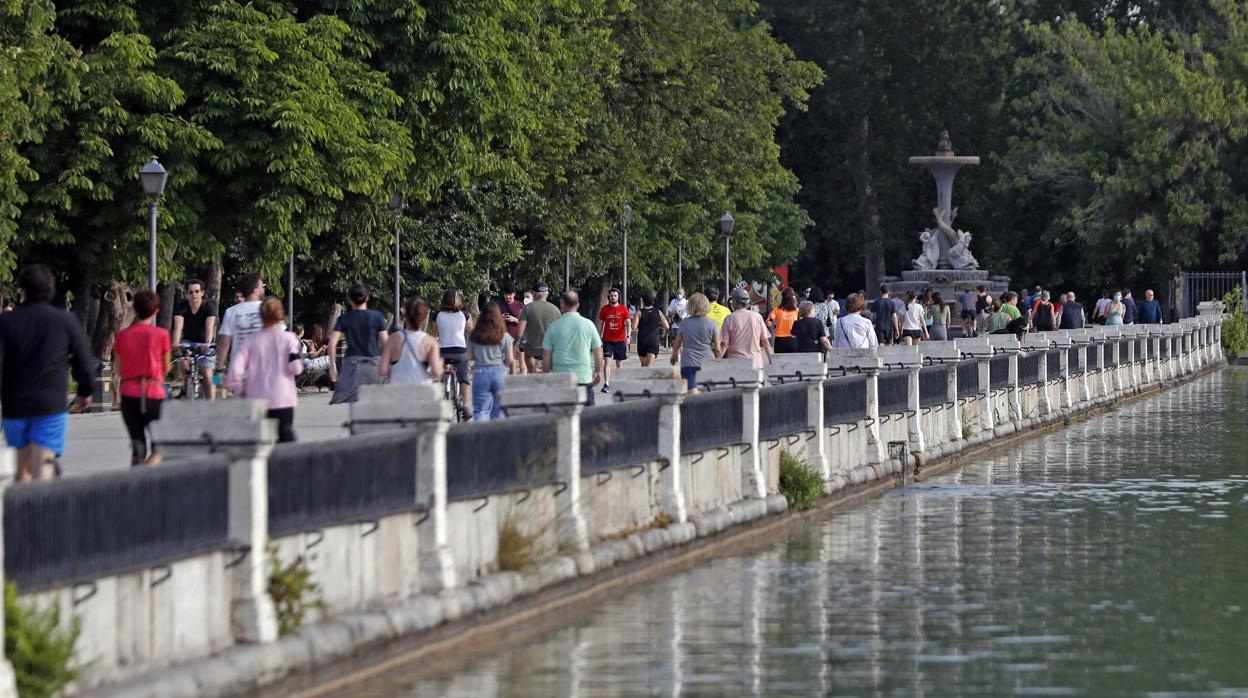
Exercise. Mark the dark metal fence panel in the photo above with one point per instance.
(327, 483)
(1140, 349)
(711, 419)
(933, 386)
(1074, 360)
(1094, 358)
(504, 455)
(782, 410)
(1029, 368)
(844, 400)
(999, 372)
(619, 434)
(894, 387)
(1165, 348)
(968, 379)
(64, 531)
(1055, 364)
(1200, 286)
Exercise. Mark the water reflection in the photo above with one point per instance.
(1107, 558)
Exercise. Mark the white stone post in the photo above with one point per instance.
(1037, 344)
(980, 350)
(948, 355)
(557, 394)
(1126, 359)
(668, 388)
(868, 362)
(8, 468)
(1009, 346)
(421, 407)
(810, 370)
(240, 430)
(903, 358)
(742, 374)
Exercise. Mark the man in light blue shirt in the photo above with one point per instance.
(572, 345)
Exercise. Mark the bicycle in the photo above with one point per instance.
(193, 382)
(450, 392)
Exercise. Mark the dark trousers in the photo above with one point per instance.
(285, 423)
(589, 394)
(136, 415)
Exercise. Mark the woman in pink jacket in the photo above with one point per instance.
(264, 368)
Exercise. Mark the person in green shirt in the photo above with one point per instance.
(535, 319)
(572, 345)
(1017, 323)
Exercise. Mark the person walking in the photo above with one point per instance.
(1148, 311)
(677, 311)
(411, 355)
(697, 342)
(649, 323)
(240, 320)
(999, 320)
(854, 330)
(573, 345)
(781, 320)
(36, 338)
(1128, 317)
(1098, 313)
(983, 315)
(451, 326)
(535, 320)
(490, 347)
(884, 315)
(913, 323)
(613, 323)
(1072, 313)
(828, 312)
(512, 308)
(141, 360)
(1018, 322)
(264, 368)
(967, 312)
(744, 333)
(1044, 314)
(1115, 311)
(194, 327)
(809, 333)
(717, 312)
(939, 317)
(365, 331)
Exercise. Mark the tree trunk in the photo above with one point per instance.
(81, 307)
(168, 294)
(868, 204)
(212, 284)
(116, 313)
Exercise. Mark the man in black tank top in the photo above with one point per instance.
(648, 324)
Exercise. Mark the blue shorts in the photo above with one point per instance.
(47, 432)
(690, 374)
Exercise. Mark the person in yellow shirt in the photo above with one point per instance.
(716, 312)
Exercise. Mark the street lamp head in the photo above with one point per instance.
(153, 177)
(627, 216)
(396, 201)
(725, 224)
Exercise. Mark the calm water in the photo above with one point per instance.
(1110, 558)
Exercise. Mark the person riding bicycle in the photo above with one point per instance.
(194, 328)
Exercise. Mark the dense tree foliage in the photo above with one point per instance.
(516, 130)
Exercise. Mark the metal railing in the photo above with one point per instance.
(505, 455)
(933, 386)
(61, 532)
(619, 434)
(1200, 286)
(782, 410)
(326, 483)
(1029, 368)
(844, 400)
(1055, 364)
(710, 420)
(999, 372)
(968, 379)
(894, 392)
(1074, 361)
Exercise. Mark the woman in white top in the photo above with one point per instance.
(451, 326)
(914, 321)
(411, 357)
(854, 331)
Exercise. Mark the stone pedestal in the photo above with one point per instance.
(810, 370)
(742, 374)
(666, 385)
(865, 361)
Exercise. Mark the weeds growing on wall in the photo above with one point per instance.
(1235, 325)
(799, 483)
(293, 592)
(517, 550)
(39, 649)
(966, 424)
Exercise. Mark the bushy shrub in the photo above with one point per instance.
(1235, 325)
(799, 483)
(37, 647)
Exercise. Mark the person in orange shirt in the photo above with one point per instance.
(781, 322)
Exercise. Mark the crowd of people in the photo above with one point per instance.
(252, 354)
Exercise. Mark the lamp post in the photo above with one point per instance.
(290, 289)
(567, 267)
(725, 226)
(153, 177)
(396, 207)
(627, 219)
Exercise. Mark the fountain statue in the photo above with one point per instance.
(945, 262)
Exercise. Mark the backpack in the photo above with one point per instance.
(1044, 315)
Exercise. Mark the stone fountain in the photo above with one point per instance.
(945, 263)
